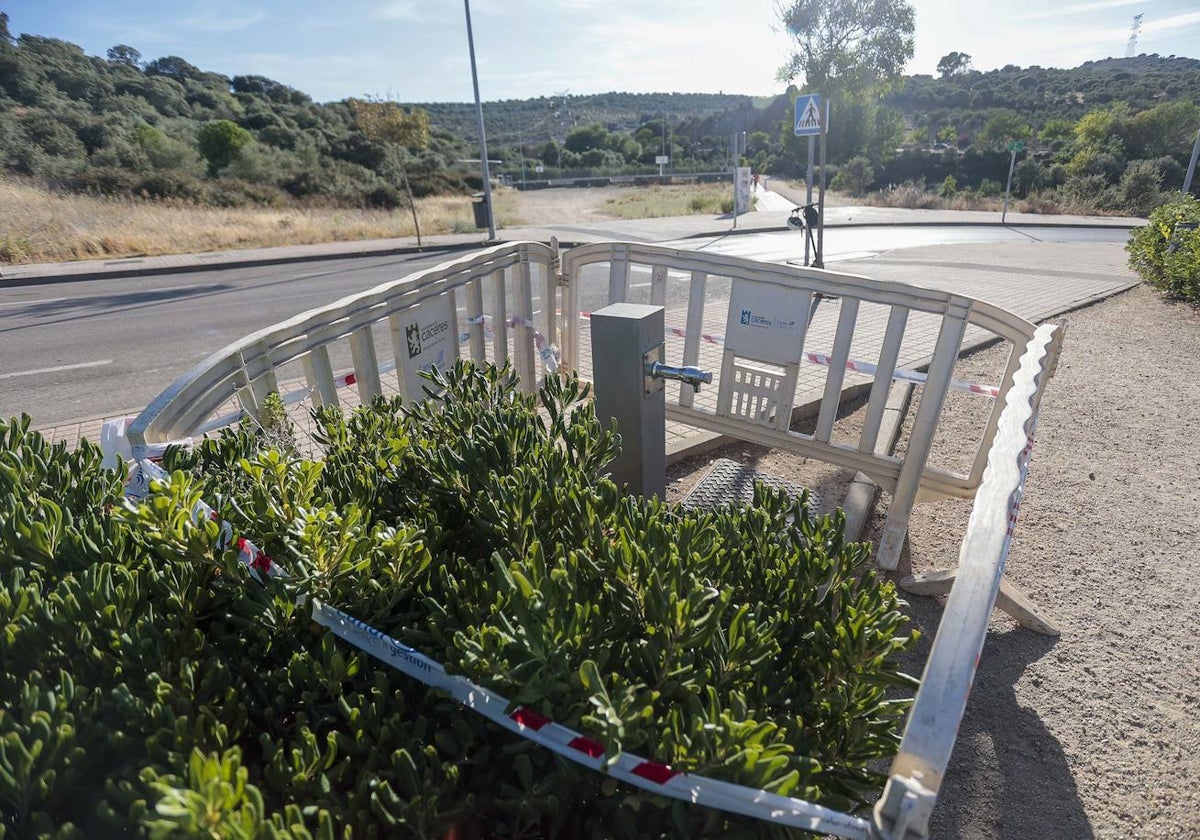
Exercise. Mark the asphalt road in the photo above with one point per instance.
(80, 349)
(89, 348)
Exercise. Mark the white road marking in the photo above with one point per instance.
(99, 363)
(33, 302)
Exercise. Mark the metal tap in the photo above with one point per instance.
(691, 375)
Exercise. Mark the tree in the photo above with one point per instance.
(124, 54)
(6, 37)
(1001, 129)
(854, 176)
(173, 67)
(953, 63)
(389, 125)
(220, 141)
(587, 137)
(850, 51)
(855, 44)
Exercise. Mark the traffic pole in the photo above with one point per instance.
(819, 259)
(808, 183)
(1011, 163)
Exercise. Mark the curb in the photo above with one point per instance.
(249, 262)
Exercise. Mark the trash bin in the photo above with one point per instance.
(479, 203)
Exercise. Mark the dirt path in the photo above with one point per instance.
(1096, 734)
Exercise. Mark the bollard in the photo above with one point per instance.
(625, 338)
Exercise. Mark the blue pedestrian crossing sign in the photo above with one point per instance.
(808, 114)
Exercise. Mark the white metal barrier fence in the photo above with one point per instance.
(425, 313)
(756, 392)
(756, 378)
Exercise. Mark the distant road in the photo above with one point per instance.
(82, 349)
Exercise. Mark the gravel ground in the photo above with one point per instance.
(1095, 734)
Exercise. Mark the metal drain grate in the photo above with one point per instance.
(730, 483)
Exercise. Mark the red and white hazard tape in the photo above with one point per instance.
(137, 485)
(548, 352)
(906, 375)
(640, 772)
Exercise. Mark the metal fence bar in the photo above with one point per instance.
(920, 441)
(920, 766)
(499, 320)
(366, 365)
(658, 285)
(318, 371)
(523, 351)
(842, 339)
(695, 327)
(888, 354)
(475, 326)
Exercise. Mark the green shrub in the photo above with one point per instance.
(159, 690)
(1140, 189)
(989, 188)
(230, 192)
(1166, 252)
(949, 187)
(172, 184)
(853, 177)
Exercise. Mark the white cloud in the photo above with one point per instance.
(1080, 9)
(396, 10)
(1176, 22)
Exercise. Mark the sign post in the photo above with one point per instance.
(1014, 147)
(808, 123)
(660, 160)
(819, 257)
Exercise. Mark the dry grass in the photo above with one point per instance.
(41, 226)
(1049, 203)
(660, 201)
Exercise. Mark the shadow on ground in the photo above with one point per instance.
(1009, 778)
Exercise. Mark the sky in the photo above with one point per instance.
(416, 50)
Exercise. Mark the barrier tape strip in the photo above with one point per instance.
(643, 773)
(137, 485)
(548, 352)
(653, 776)
(852, 365)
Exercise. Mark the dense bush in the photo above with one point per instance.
(1166, 252)
(159, 690)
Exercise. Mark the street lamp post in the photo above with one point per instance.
(483, 155)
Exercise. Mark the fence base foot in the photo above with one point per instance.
(1010, 599)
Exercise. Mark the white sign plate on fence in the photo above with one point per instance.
(430, 333)
(766, 322)
(808, 115)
